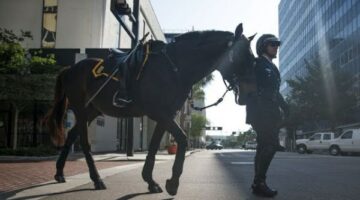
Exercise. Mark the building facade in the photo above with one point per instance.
(85, 25)
(326, 30)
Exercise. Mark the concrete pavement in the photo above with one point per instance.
(22, 177)
(218, 175)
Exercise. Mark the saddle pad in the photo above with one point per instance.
(98, 70)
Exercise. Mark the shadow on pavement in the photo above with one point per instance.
(13, 193)
(130, 196)
(9, 194)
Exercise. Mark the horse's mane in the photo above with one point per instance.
(196, 34)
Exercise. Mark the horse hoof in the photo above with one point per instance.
(155, 188)
(100, 185)
(172, 186)
(59, 178)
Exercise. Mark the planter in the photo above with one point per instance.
(172, 149)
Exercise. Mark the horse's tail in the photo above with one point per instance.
(55, 116)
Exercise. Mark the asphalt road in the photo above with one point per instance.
(227, 175)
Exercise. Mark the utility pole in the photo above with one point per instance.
(120, 8)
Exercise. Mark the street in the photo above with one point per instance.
(227, 174)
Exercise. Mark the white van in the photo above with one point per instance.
(347, 142)
(318, 141)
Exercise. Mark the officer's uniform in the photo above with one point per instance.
(264, 115)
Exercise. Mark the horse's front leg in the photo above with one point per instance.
(150, 160)
(60, 163)
(172, 184)
(84, 141)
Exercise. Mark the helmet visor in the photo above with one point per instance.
(273, 41)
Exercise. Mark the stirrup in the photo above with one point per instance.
(121, 103)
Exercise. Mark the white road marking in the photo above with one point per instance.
(242, 163)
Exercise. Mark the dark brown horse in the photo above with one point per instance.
(159, 93)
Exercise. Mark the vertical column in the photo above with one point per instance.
(48, 32)
(135, 30)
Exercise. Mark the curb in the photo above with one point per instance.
(97, 157)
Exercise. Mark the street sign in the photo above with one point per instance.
(214, 128)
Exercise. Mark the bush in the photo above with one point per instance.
(43, 65)
(30, 151)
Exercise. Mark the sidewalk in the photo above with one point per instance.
(21, 173)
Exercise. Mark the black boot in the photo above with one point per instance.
(121, 99)
(261, 189)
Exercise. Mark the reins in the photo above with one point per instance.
(228, 88)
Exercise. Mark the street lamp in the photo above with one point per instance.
(122, 7)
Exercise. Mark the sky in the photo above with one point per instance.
(257, 16)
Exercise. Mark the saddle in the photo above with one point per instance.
(117, 52)
(122, 60)
(126, 67)
(131, 66)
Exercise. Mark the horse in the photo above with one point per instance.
(159, 92)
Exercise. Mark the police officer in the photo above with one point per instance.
(264, 111)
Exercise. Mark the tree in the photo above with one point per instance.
(198, 91)
(323, 95)
(248, 135)
(23, 78)
(198, 123)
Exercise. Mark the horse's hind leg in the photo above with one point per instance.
(84, 141)
(150, 160)
(71, 137)
(181, 139)
(60, 163)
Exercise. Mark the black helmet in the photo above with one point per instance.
(265, 40)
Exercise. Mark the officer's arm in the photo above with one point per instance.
(283, 105)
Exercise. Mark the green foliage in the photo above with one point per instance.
(8, 36)
(198, 91)
(248, 135)
(18, 88)
(41, 65)
(24, 77)
(198, 123)
(12, 54)
(324, 94)
(14, 59)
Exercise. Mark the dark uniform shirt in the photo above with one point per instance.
(264, 104)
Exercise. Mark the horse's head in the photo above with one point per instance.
(198, 53)
(239, 60)
(237, 65)
(199, 50)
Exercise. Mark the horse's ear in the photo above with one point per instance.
(252, 37)
(238, 31)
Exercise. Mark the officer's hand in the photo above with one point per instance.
(286, 113)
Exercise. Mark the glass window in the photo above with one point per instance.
(347, 135)
(315, 137)
(351, 54)
(327, 136)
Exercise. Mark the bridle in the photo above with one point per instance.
(228, 88)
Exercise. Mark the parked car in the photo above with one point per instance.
(250, 145)
(318, 141)
(214, 145)
(348, 142)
